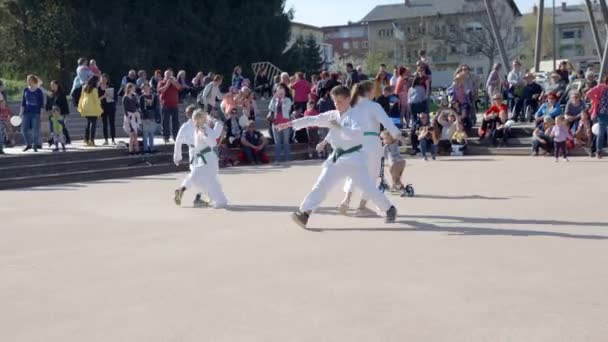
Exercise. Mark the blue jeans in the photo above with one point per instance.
(31, 128)
(602, 120)
(424, 147)
(148, 129)
(281, 142)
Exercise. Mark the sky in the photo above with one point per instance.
(339, 12)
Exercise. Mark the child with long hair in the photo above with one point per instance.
(132, 120)
(392, 156)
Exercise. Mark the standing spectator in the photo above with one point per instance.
(362, 76)
(325, 103)
(314, 91)
(590, 81)
(313, 132)
(211, 94)
(5, 126)
(185, 87)
(142, 78)
(83, 73)
(392, 156)
(352, 76)
(598, 96)
(425, 81)
(56, 127)
(168, 90)
(301, 89)
(425, 63)
(237, 77)
(516, 83)
(383, 69)
(280, 106)
(331, 83)
(148, 104)
(131, 77)
(58, 98)
(416, 99)
(253, 143)
(262, 84)
(275, 83)
(324, 77)
(494, 82)
(132, 119)
(402, 89)
(158, 76)
(424, 135)
(380, 83)
(563, 72)
(394, 77)
(108, 104)
(94, 68)
(32, 107)
(197, 84)
(89, 107)
(208, 79)
(460, 94)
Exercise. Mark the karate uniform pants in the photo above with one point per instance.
(372, 149)
(334, 173)
(205, 177)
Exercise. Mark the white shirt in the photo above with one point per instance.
(515, 77)
(350, 135)
(369, 116)
(211, 93)
(185, 136)
(202, 141)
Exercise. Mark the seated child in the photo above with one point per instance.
(392, 156)
(501, 130)
(583, 135)
(459, 138)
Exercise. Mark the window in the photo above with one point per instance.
(572, 34)
(355, 44)
(346, 45)
(453, 49)
(479, 71)
(568, 35)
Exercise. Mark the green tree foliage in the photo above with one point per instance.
(47, 36)
(304, 55)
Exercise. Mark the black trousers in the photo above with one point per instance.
(109, 119)
(170, 122)
(560, 146)
(89, 133)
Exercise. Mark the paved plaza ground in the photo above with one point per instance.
(490, 249)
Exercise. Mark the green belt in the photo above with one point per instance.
(201, 155)
(371, 134)
(340, 152)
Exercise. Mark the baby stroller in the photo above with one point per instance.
(407, 190)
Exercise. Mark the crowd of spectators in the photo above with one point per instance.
(150, 107)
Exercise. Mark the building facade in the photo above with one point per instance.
(349, 41)
(401, 31)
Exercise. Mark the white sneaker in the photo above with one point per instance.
(343, 209)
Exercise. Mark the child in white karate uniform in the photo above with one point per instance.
(346, 138)
(185, 136)
(368, 115)
(205, 164)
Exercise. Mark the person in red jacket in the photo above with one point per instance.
(491, 115)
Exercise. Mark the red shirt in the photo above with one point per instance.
(5, 114)
(496, 109)
(301, 89)
(279, 119)
(170, 97)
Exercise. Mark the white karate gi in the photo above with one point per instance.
(185, 136)
(205, 165)
(369, 116)
(348, 165)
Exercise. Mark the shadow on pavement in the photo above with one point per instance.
(472, 197)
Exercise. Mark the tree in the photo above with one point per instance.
(48, 36)
(373, 59)
(313, 63)
(473, 30)
(528, 24)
